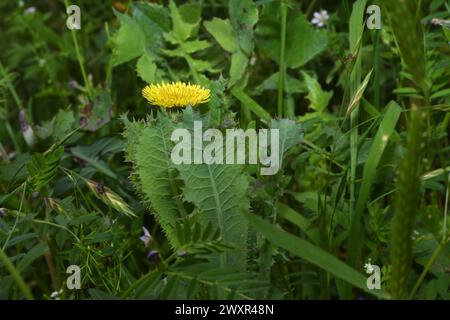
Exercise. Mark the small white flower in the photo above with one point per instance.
(55, 294)
(41, 62)
(320, 18)
(368, 266)
(30, 10)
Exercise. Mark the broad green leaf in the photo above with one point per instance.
(203, 65)
(290, 134)
(303, 42)
(146, 68)
(191, 14)
(129, 41)
(63, 123)
(312, 254)
(194, 45)
(93, 115)
(153, 21)
(292, 85)
(185, 20)
(317, 97)
(155, 13)
(222, 31)
(239, 63)
(243, 16)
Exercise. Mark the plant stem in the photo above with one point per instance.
(376, 66)
(19, 105)
(405, 205)
(80, 59)
(11, 87)
(15, 275)
(429, 264)
(444, 224)
(310, 8)
(436, 252)
(282, 72)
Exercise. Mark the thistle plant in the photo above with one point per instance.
(217, 191)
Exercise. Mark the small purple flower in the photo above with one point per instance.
(23, 121)
(146, 238)
(153, 256)
(182, 253)
(26, 129)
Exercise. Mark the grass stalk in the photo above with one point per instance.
(429, 264)
(80, 59)
(15, 275)
(405, 206)
(282, 70)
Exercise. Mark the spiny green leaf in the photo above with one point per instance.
(153, 168)
(219, 192)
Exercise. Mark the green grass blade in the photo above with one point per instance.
(286, 212)
(377, 148)
(313, 254)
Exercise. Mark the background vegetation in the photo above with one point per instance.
(363, 118)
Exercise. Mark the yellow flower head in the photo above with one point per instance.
(177, 94)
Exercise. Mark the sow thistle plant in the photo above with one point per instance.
(218, 191)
